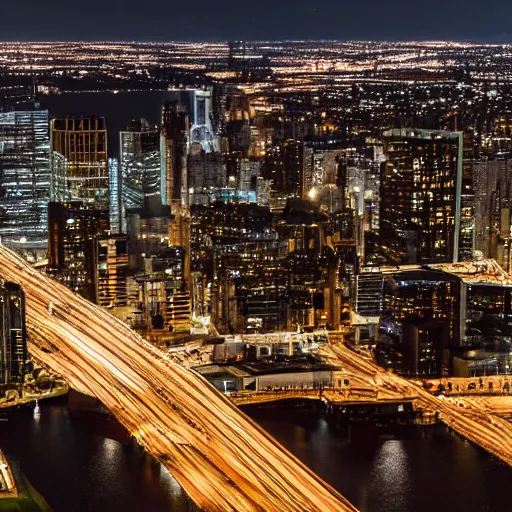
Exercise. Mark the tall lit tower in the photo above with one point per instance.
(13, 333)
(174, 182)
(198, 104)
(139, 164)
(73, 228)
(24, 181)
(421, 182)
(82, 168)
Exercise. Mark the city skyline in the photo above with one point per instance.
(193, 230)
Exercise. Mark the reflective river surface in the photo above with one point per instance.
(421, 469)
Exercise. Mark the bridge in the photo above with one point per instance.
(330, 395)
(222, 459)
(8, 487)
(479, 422)
(496, 385)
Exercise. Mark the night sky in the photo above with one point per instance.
(164, 20)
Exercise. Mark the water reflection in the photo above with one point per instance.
(391, 475)
(416, 469)
(77, 471)
(422, 470)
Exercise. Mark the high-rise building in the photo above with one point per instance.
(139, 164)
(249, 177)
(111, 268)
(13, 335)
(174, 179)
(198, 104)
(424, 310)
(467, 198)
(173, 154)
(420, 197)
(82, 142)
(284, 165)
(115, 204)
(24, 181)
(492, 184)
(14, 354)
(72, 230)
(148, 230)
(206, 170)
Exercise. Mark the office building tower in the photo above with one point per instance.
(174, 178)
(111, 267)
(13, 334)
(72, 230)
(24, 181)
(157, 267)
(139, 164)
(492, 185)
(82, 142)
(115, 204)
(173, 154)
(320, 167)
(249, 179)
(206, 170)
(424, 311)
(198, 105)
(148, 230)
(238, 134)
(367, 296)
(420, 197)
(58, 187)
(312, 178)
(467, 198)
(284, 165)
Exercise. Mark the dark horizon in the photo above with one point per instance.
(159, 20)
(505, 39)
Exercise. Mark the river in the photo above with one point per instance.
(421, 469)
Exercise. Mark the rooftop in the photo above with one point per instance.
(477, 272)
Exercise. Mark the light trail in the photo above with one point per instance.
(221, 458)
(8, 487)
(475, 421)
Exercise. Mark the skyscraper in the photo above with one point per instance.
(73, 228)
(197, 103)
(284, 165)
(421, 195)
(115, 203)
(173, 154)
(111, 268)
(13, 335)
(174, 178)
(140, 164)
(24, 181)
(492, 183)
(205, 170)
(83, 166)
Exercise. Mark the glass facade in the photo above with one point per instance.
(140, 167)
(421, 196)
(13, 336)
(82, 142)
(24, 181)
(116, 212)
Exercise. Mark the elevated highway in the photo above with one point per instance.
(481, 425)
(222, 459)
(329, 395)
